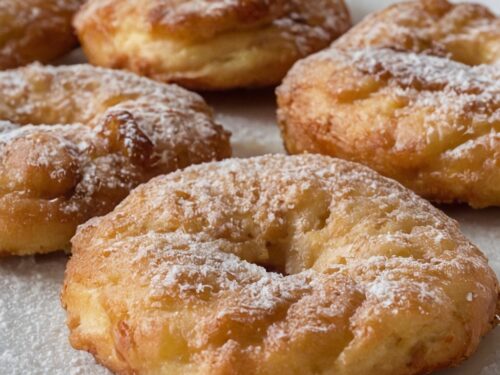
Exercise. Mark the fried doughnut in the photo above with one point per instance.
(277, 265)
(427, 121)
(465, 32)
(208, 44)
(35, 30)
(77, 139)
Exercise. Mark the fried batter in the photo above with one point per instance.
(78, 139)
(467, 33)
(277, 265)
(35, 30)
(208, 44)
(428, 121)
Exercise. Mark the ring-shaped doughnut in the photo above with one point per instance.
(466, 32)
(77, 139)
(277, 265)
(208, 44)
(402, 106)
(35, 30)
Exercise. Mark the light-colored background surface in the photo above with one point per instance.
(33, 335)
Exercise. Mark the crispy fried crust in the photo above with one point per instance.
(277, 265)
(467, 33)
(35, 30)
(117, 130)
(208, 44)
(428, 121)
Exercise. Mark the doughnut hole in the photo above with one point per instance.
(277, 245)
(309, 218)
(41, 165)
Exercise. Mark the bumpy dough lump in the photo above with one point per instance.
(396, 100)
(209, 44)
(35, 30)
(77, 139)
(273, 265)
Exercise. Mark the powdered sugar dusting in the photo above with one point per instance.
(97, 133)
(23, 24)
(435, 27)
(455, 95)
(58, 357)
(259, 242)
(34, 336)
(437, 129)
(447, 87)
(56, 354)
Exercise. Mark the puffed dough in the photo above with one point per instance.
(277, 265)
(217, 44)
(467, 33)
(35, 30)
(78, 139)
(428, 121)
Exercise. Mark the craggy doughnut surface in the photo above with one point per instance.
(465, 32)
(430, 122)
(35, 30)
(277, 265)
(208, 44)
(96, 134)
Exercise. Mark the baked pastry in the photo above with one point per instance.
(35, 30)
(212, 44)
(273, 265)
(430, 122)
(116, 131)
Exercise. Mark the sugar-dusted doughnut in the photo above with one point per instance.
(426, 120)
(465, 32)
(77, 139)
(215, 44)
(277, 265)
(35, 30)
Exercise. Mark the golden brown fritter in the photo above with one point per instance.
(208, 44)
(35, 30)
(467, 33)
(77, 139)
(277, 265)
(430, 122)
